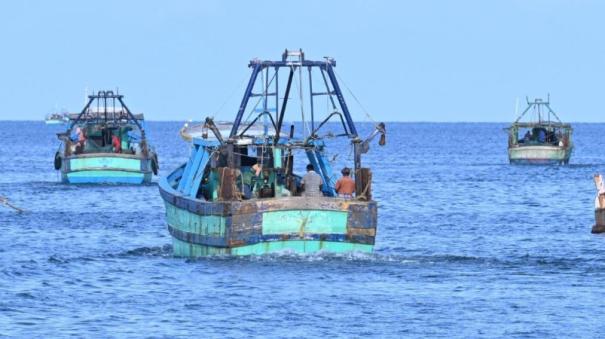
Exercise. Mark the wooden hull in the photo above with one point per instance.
(599, 226)
(261, 226)
(539, 155)
(101, 168)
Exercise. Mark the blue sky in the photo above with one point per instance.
(405, 61)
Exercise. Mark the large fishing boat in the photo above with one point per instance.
(239, 194)
(543, 140)
(105, 143)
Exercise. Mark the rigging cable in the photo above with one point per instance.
(235, 90)
(265, 93)
(355, 98)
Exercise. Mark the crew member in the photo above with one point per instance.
(116, 143)
(345, 186)
(311, 183)
(81, 140)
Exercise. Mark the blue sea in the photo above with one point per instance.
(467, 246)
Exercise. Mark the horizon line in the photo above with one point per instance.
(362, 121)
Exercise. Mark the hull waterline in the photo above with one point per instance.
(543, 155)
(263, 226)
(102, 169)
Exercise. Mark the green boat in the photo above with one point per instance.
(543, 140)
(105, 143)
(238, 194)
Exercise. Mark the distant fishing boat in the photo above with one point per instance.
(106, 143)
(56, 119)
(238, 193)
(543, 140)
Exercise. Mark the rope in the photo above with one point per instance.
(222, 180)
(241, 192)
(363, 196)
(237, 194)
(301, 98)
(4, 201)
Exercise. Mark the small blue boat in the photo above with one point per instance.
(238, 194)
(106, 143)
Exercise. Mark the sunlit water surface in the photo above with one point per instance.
(467, 245)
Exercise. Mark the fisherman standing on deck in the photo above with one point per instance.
(311, 183)
(116, 143)
(345, 186)
(81, 140)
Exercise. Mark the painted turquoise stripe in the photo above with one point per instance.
(301, 246)
(76, 164)
(305, 221)
(100, 176)
(184, 249)
(183, 220)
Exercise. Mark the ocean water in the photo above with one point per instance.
(467, 246)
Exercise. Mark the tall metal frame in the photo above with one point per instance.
(295, 61)
(332, 89)
(104, 97)
(537, 105)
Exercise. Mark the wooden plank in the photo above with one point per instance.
(199, 167)
(227, 188)
(187, 171)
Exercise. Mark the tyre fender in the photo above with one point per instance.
(155, 166)
(58, 161)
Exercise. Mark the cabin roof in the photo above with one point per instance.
(541, 124)
(119, 115)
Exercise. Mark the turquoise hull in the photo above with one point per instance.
(186, 249)
(106, 169)
(262, 226)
